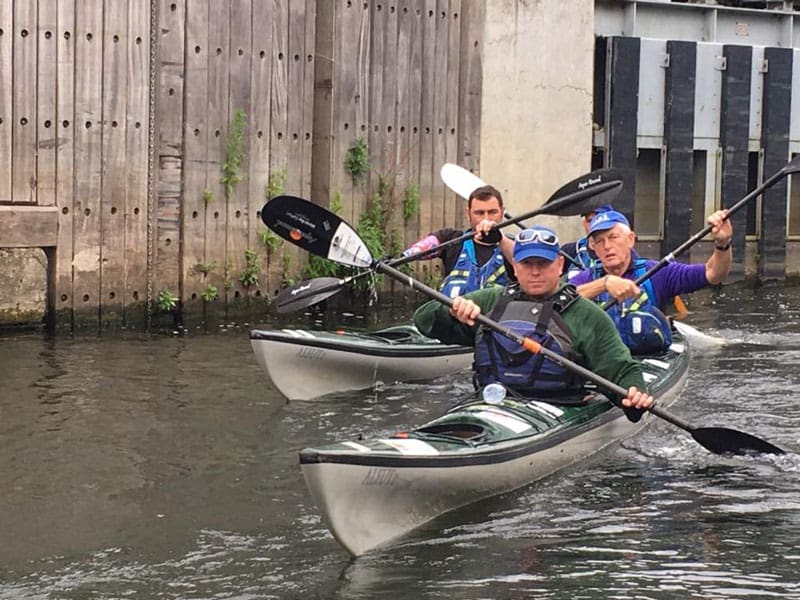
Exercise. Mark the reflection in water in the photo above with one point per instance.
(167, 466)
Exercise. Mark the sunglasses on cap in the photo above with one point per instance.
(537, 235)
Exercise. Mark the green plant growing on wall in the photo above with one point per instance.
(227, 281)
(208, 197)
(204, 268)
(234, 152)
(356, 160)
(166, 301)
(249, 275)
(271, 241)
(410, 202)
(276, 185)
(286, 278)
(210, 294)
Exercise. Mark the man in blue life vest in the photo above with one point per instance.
(579, 254)
(474, 263)
(638, 312)
(540, 306)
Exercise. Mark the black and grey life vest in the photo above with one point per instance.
(498, 359)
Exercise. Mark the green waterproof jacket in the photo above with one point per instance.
(597, 344)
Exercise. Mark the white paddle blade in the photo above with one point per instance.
(348, 248)
(459, 180)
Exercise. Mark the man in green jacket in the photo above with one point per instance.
(538, 306)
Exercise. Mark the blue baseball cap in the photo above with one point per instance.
(539, 241)
(607, 220)
(600, 209)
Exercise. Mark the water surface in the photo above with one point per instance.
(166, 467)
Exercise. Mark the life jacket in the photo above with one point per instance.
(499, 359)
(642, 326)
(582, 259)
(467, 276)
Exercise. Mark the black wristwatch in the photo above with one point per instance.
(723, 248)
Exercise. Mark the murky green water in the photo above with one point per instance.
(166, 467)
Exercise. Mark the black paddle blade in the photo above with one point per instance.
(316, 230)
(720, 440)
(584, 200)
(307, 293)
(597, 187)
(793, 166)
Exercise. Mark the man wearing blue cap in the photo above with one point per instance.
(579, 254)
(618, 266)
(541, 307)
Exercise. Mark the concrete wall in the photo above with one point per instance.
(536, 128)
(23, 286)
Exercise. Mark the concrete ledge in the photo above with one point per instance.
(23, 226)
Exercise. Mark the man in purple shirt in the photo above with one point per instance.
(618, 266)
(613, 241)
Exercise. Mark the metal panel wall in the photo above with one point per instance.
(734, 132)
(623, 78)
(775, 141)
(679, 97)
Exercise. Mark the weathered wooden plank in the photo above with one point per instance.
(471, 84)
(413, 121)
(166, 275)
(217, 122)
(323, 103)
(136, 131)
(430, 217)
(24, 226)
(195, 147)
(115, 160)
(405, 32)
(453, 205)
(439, 120)
(279, 119)
(239, 52)
(375, 133)
(65, 124)
(308, 95)
(46, 123)
(259, 176)
(392, 171)
(88, 154)
(23, 165)
(348, 119)
(6, 95)
(295, 65)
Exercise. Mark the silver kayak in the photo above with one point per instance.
(304, 364)
(372, 492)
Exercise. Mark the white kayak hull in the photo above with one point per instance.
(372, 492)
(304, 365)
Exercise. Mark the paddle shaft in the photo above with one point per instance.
(551, 207)
(704, 232)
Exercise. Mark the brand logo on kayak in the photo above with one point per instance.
(310, 353)
(380, 477)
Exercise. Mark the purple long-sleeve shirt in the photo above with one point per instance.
(670, 281)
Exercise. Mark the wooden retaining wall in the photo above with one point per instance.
(116, 116)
